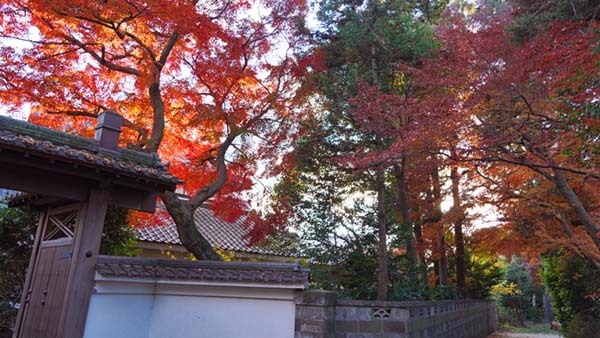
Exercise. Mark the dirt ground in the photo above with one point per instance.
(522, 335)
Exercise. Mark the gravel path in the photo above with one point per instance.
(522, 335)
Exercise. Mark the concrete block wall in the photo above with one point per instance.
(320, 314)
(451, 319)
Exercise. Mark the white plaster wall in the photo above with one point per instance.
(123, 310)
(119, 315)
(194, 317)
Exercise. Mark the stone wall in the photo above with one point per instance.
(319, 314)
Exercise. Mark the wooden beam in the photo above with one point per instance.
(83, 265)
(21, 178)
(59, 167)
(17, 176)
(132, 199)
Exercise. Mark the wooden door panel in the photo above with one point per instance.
(31, 320)
(56, 285)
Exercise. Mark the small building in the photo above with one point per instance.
(231, 239)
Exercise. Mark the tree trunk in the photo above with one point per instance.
(548, 315)
(403, 201)
(443, 260)
(158, 125)
(459, 242)
(382, 274)
(420, 254)
(437, 216)
(591, 226)
(182, 213)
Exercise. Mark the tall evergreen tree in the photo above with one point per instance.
(361, 44)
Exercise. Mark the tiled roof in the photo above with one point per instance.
(45, 142)
(220, 234)
(282, 273)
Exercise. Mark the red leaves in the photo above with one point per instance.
(219, 72)
(315, 61)
(511, 110)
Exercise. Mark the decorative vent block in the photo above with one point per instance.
(380, 312)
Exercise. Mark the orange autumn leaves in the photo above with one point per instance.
(186, 75)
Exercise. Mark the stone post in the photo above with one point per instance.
(315, 314)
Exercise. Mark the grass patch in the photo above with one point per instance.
(529, 328)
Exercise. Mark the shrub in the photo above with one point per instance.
(484, 271)
(574, 287)
(514, 293)
(17, 229)
(582, 326)
(442, 292)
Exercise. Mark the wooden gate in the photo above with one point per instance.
(57, 167)
(45, 293)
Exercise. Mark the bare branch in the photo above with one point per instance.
(522, 162)
(101, 59)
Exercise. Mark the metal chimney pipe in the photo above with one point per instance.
(108, 129)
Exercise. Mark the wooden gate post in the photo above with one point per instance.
(80, 279)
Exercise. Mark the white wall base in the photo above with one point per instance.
(134, 308)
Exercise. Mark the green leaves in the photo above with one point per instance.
(17, 229)
(574, 286)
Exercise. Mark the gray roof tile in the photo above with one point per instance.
(41, 141)
(220, 234)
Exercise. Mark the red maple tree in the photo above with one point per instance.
(525, 113)
(211, 86)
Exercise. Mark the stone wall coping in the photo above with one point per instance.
(214, 271)
(407, 304)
